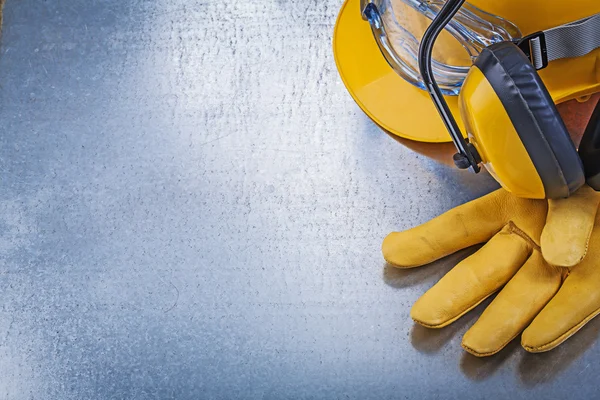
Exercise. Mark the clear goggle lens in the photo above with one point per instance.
(398, 26)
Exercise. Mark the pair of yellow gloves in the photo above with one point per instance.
(543, 256)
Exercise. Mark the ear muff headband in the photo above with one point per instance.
(534, 117)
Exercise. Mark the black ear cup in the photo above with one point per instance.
(589, 150)
(534, 116)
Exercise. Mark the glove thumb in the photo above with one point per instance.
(568, 228)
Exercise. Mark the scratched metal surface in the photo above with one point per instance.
(191, 207)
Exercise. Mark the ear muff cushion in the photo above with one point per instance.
(534, 116)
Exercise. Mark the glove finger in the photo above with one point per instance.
(576, 303)
(466, 225)
(514, 307)
(569, 224)
(473, 280)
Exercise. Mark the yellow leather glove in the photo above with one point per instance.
(542, 254)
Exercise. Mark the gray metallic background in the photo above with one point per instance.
(192, 207)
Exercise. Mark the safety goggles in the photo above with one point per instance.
(398, 26)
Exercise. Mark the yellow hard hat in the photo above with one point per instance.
(406, 110)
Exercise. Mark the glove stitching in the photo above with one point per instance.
(462, 313)
(512, 228)
(489, 353)
(552, 205)
(587, 243)
(560, 339)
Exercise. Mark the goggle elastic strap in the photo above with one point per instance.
(574, 39)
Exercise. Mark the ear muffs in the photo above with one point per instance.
(589, 150)
(515, 127)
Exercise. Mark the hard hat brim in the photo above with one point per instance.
(390, 101)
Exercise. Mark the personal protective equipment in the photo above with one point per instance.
(541, 255)
(513, 126)
(396, 24)
(404, 109)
